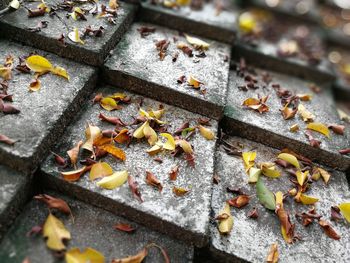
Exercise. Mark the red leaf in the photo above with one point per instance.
(338, 129)
(124, 227)
(6, 140)
(8, 108)
(59, 159)
(134, 187)
(151, 179)
(113, 120)
(174, 172)
(328, 229)
(344, 151)
(253, 213)
(239, 201)
(54, 203)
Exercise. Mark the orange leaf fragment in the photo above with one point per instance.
(328, 229)
(114, 151)
(100, 169)
(124, 227)
(239, 201)
(272, 257)
(75, 175)
(151, 179)
(179, 191)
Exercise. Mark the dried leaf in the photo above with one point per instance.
(138, 133)
(273, 255)
(257, 104)
(134, 187)
(74, 255)
(318, 127)
(114, 151)
(307, 200)
(150, 134)
(170, 143)
(305, 115)
(151, 179)
(55, 232)
(92, 133)
(288, 113)
(54, 203)
(195, 83)
(269, 170)
(328, 229)
(345, 210)
(109, 104)
(265, 196)
(7, 140)
(59, 71)
(75, 175)
(294, 128)
(197, 43)
(239, 201)
(15, 4)
(155, 149)
(338, 129)
(38, 64)
(123, 136)
(253, 213)
(254, 174)
(335, 213)
(174, 172)
(206, 133)
(248, 159)
(100, 169)
(226, 220)
(325, 175)
(35, 85)
(74, 153)
(179, 191)
(125, 227)
(290, 159)
(185, 145)
(138, 258)
(302, 177)
(313, 142)
(304, 97)
(113, 4)
(75, 36)
(115, 180)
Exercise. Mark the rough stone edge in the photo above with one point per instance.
(152, 15)
(341, 91)
(126, 81)
(259, 59)
(95, 199)
(28, 165)
(74, 52)
(257, 134)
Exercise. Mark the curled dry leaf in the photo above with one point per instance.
(100, 169)
(35, 85)
(307, 200)
(54, 203)
(253, 213)
(197, 43)
(123, 136)
(109, 104)
(318, 127)
(288, 113)
(287, 228)
(151, 179)
(273, 255)
(248, 159)
(302, 177)
(324, 174)
(74, 153)
(193, 82)
(335, 213)
(125, 227)
(313, 142)
(15, 4)
(206, 133)
(336, 128)
(344, 151)
(305, 115)
(6, 140)
(8, 108)
(239, 201)
(179, 191)
(170, 143)
(55, 232)
(114, 151)
(304, 97)
(74, 255)
(345, 210)
(134, 187)
(75, 175)
(294, 128)
(308, 217)
(41, 65)
(254, 174)
(174, 172)
(269, 170)
(257, 104)
(59, 160)
(113, 4)
(115, 180)
(328, 229)
(92, 133)
(185, 145)
(290, 159)
(74, 36)
(225, 220)
(150, 134)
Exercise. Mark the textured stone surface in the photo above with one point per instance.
(15, 26)
(270, 128)
(3, 3)
(250, 239)
(205, 22)
(44, 114)
(92, 227)
(14, 191)
(183, 217)
(135, 65)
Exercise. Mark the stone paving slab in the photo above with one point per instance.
(45, 113)
(185, 217)
(207, 21)
(92, 227)
(271, 129)
(94, 50)
(250, 239)
(264, 49)
(3, 3)
(15, 189)
(135, 65)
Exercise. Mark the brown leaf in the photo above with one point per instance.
(338, 129)
(74, 153)
(6, 140)
(344, 151)
(335, 213)
(288, 113)
(138, 258)
(179, 191)
(253, 213)
(308, 217)
(145, 31)
(112, 120)
(124, 227)
(313, 142)
(272, 257)
(151, 179)
(239, 201)
(134, 187)
(59, 160)
(174, 172)
(8, 108)
(54, 203)
(328, 229)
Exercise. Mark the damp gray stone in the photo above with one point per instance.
(44, 114)
(271, 129)
(185, 217)
(135, 65)
(206, 22)
(15, 25)
(250, 239)
(14, 192)
(92, 227)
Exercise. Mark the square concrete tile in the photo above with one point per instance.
(250, 239)
(270, 128)
(44, 114)
(135, 65)
(185, 217)
(15, 25)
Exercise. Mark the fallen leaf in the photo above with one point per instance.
(305, 115)
(35, 85)
(195, 83)
(179, 191)
(328, 229)
(92, 133)
(290, 159)
(138, 133)
(338, 129)
(206, 133)
(74, 153)
(257, 104)
(6, 140)
(155, 149)
(185, 145)
(269, 170)
(125, 227)
(74, 36)
(239, 201)
(55, 232)
(150, 134)
(288, 113)
(75, 175)
(100, 169)
(39, 64)
(247, 22)
(343, 116)
(304, 97)
(59, 71)
(336, 213)
(114, 151)
(345, 210)
(294, 128)
(344, 151)
(253, 213)
(254, 174)
(134, 187)
(325, 175)
(138, 258)
(54, 203)
(115, 180)
(174, 172)
(313, 142)
(8, 108)
(308, 200)
(109, 104)
(225, 220)
(273, 255)
(318, 127)
(74, 255)
(265, 196)
(248, 159)
(113, 4)
(302, 177)
(151, 179)
(197, 43)
(170, 143)
(123, 136)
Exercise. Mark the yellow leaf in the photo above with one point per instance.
(14, 4)
(318, 127)
(290, 159)
(254, 174)
(272, 257)
(59, 71)
(279, 199)
(122, 136)
(109, 104)
(144, 113)
(113, 181)
(287, 238)
(183, 2)
(156, 113)
(195, 83)
(155, 149)
(325, 175)
(138, 133)
(185, 145)
(92, 133)
(343, 116)
(225, 225)
(75, 37)
(170, 143)
(6, 73)
(305, 97)
(294, 128)
(307, 200)
(197, 43)
(100, 169)
(113, 4)
(55, 232)
(74, 255)
(150, 134)
(115, 151)
(301, 176)
(269, 170)
(35, 85)
(345, 210)
(38, 64)
(248, 159)
(206, 133)
(305, 115)
(247, 22)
